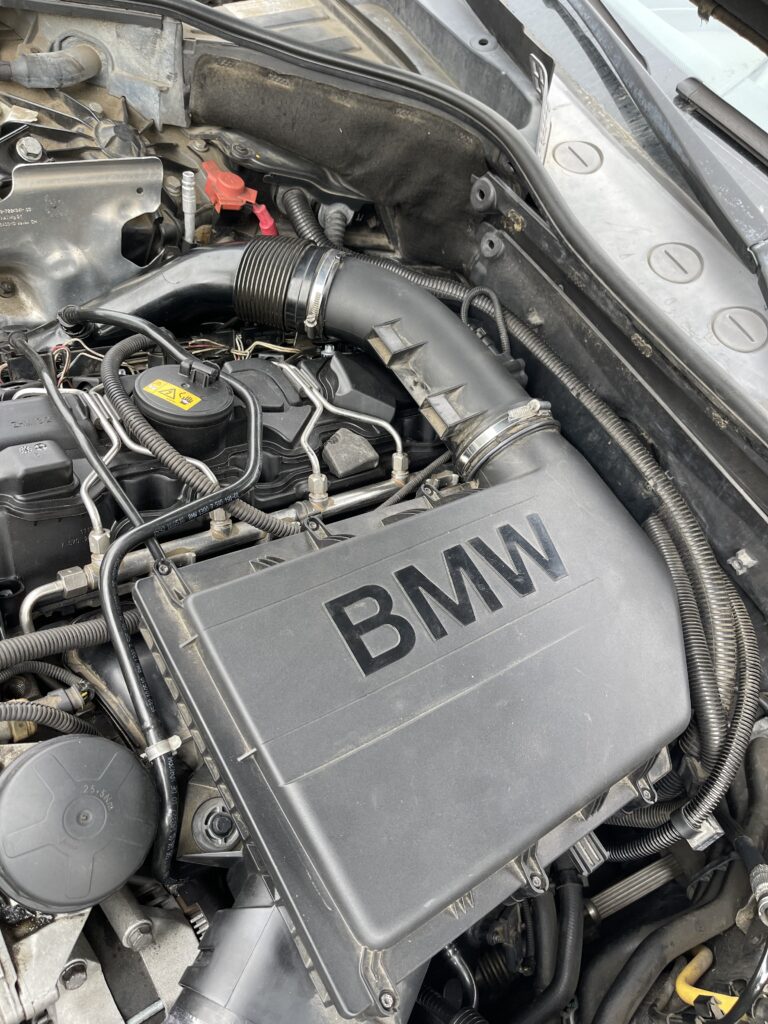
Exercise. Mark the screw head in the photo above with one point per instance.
(198, 145)
(536, 882)
(387, 1000)
(7, 288)
(221, 824)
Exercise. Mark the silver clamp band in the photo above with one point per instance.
(161, 748)
(318, 293)
(517, 422)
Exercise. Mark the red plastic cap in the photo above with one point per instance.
(227, 191)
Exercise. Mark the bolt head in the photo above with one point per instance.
(387, 1000)
(30, 149)
(198, 145)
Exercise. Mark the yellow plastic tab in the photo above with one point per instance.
(172, 394)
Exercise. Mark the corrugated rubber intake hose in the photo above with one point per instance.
(561, 989)
(143, 432)
(42, 714)
(664, 945)
(46, 642)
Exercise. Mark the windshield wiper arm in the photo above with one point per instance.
(726, 117)
(736, 216)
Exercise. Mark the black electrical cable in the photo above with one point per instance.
(415, 481)
(57, 639)
(755, 988)
(84, 442)
(477, 292)
(64, 676)
(44, 714)
(162, 764)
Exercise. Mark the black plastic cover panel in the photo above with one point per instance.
(401, 714)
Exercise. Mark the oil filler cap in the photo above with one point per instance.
(79, 815)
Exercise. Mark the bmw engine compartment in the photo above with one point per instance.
(376, 644)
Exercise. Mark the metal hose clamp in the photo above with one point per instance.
(521, 420)
(314, 315)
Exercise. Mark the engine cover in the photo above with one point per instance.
(413, 713)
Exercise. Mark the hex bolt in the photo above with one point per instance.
(7, 288)
(30, 149)
(198, 145)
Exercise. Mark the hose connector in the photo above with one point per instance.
(758, 880)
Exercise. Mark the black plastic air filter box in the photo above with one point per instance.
(413, 720)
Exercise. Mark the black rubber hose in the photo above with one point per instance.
(43, 714)
(715, 788)
(705, 696)
(545, 939)
(416, 480)
(606, 964)
(304, 222)
(58, 673)
(146, 435)
(46, 642)
(701, 924)
(442, 1012)
(498, 313)
(562, 988)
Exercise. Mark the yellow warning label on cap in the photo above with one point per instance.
(172, 394)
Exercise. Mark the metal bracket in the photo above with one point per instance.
(75, 211)
(172, 583)
(319, 535)
(535, 879)
(643, 786)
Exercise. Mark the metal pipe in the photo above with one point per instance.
(189, 205)
(185, 550)
(309, 386)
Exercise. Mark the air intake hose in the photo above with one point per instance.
(456, 381)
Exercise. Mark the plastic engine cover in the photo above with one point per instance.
(410, 718)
